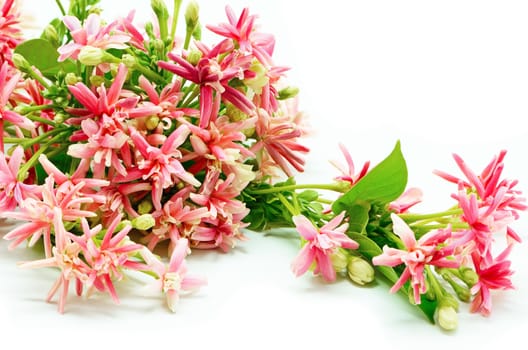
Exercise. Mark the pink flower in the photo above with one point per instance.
(67, 257)
(177, 219)
(220, 142)
(13, 191)
(217, 195)
(349, 174)
(166, 101)
(113, 103)
(242, 31)
(496, 202)
(173, 279)
(430, 249)
(48, 215)
(107, 256)
(321, 244)
(106, 140)
(221, 231)
(213, 76)
(408, 199)
(8, 83)
(92, 33)
(495, 275)
(278, 137)
(10, 35)
(161, 166)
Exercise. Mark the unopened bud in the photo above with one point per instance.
(20, 62)
(447, 318)
(50, 34)
(360, 271)
(260, 79)
(159, 8)
(289, 92)
(152, 122)
(91, 56)
(59, 118)
(128, 60)
(192, 15)
(143, 222)
(71, 79)
(145, 207)
(97, 80)
(461, 291)
(194, 56)
(339, 260)
(158, 45)
(95, 10)
(469, 276)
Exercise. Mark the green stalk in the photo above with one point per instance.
(175, 15)
(415, 217)
(61, 8)
(337, 187)
(288, 205)
(34, 158)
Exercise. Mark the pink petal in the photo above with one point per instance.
(305, 227)
(403, 231)
(303, 260)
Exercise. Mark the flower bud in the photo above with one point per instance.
(158, 45)
(91, 56)
(360, 271)
(339, 260)
(289, 92)
(128, 60)
(194, 56)
(143, 222)
(59, 118)
(71, 79)
(50, 34)
(447, 318)
(260, 79)
(159, 8)
(97, 80)
(152, 122)
(20, 62)
(461, 291)
(469, 276)
(192, 15)
(145, 207)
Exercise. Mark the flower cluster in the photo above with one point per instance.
(124, 148)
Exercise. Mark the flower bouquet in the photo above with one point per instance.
(125, 147)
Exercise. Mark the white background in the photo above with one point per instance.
(441, 76)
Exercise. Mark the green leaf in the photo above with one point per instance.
(428, 307)
(44, 56)
(383, 184)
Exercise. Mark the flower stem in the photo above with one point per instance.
(293, 211)
(61, 8)
(175, 15)
(415, 217)
(34, 158)
(41, 120)
(27, 143)
(337, 187)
